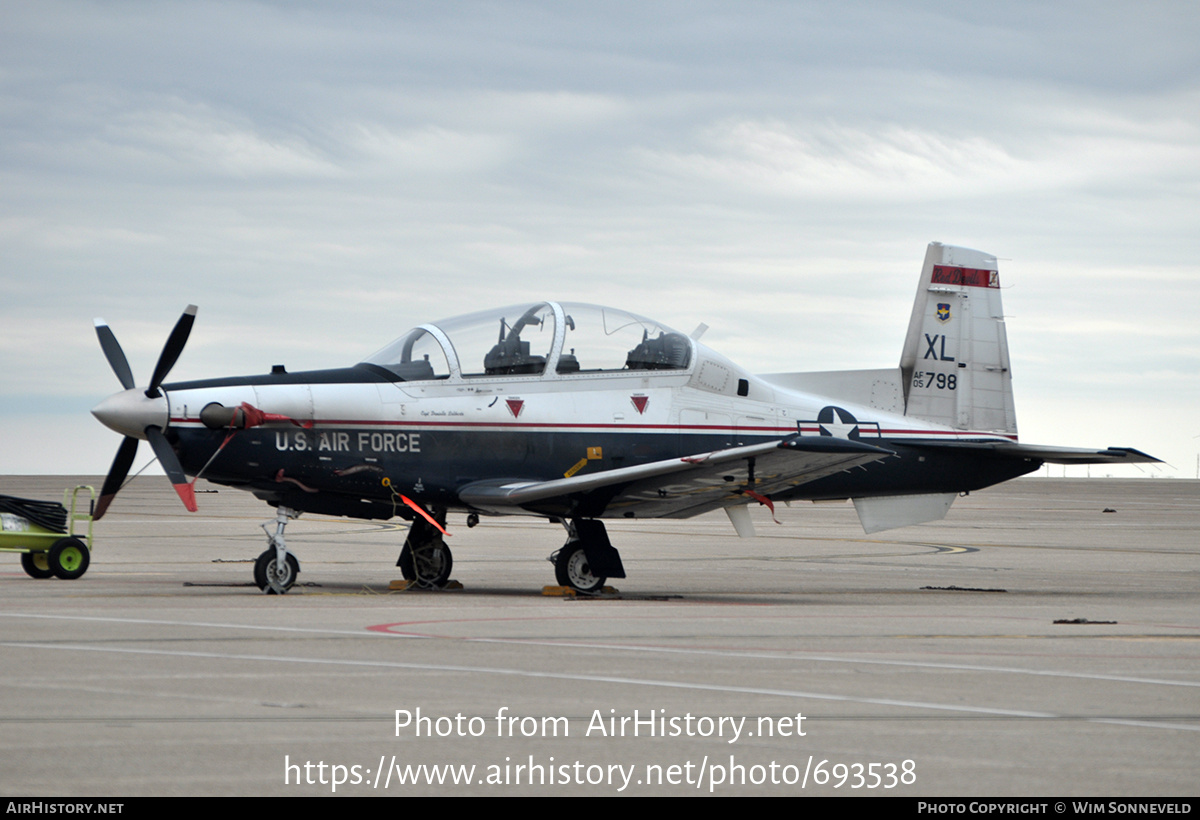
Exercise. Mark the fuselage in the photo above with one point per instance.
(432, 426)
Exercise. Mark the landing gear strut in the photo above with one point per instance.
(276, 569)
(425, 559)
(588, 559)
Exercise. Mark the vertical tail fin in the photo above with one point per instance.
(955, 366)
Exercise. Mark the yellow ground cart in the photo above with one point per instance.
(44, 533)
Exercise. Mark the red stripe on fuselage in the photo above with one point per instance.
(670, 428)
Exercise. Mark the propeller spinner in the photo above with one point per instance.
(138, 413)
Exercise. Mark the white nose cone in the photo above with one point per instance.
(130, 412)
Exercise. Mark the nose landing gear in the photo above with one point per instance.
(276, 570)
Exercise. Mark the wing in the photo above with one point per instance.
(677, 487)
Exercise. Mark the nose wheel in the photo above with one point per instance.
(267, 576)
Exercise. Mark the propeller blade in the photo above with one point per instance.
(114, 354)
(171, 350)
(116, 475)
(170, 463)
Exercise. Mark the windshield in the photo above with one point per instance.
(415, 356)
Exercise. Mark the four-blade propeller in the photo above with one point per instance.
(142, 413)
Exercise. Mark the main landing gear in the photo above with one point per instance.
(426, 560)
(588, 559)
(276, 570)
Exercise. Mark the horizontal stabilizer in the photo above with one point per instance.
(1076, 455)
(1053, 455)
(890, 512)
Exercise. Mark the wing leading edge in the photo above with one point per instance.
(677, 487)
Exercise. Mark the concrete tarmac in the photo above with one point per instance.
(1031, 644)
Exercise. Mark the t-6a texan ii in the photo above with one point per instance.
(580, 413)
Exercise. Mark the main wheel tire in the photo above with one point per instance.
(264, 565)
(68, 558)
(572, 570)
(406, 564)
(36, 565)
(431, 567)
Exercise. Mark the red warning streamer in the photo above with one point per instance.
(424, 514)
(766, 502)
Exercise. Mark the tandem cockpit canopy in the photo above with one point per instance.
(561, 338)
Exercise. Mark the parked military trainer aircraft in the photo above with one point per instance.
(579, 413)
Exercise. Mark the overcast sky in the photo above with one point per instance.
(319, 177)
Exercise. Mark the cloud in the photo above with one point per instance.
(321, 178)
(842, 162)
